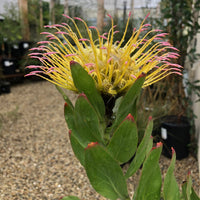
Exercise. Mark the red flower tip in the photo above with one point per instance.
(109, 16)
(130, 117)
(129, 14)
(70, 132)
(91, 144)
(189, 173)
(142, 75)
(150, 118)
(147, 15)
(72, 62)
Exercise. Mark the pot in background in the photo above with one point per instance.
(175, 132)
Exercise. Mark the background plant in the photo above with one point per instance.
(10, 30)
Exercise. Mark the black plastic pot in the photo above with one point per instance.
(5, 87)
(175, 132)
(24, 46)
(9, 66)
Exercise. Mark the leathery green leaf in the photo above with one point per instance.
(77, 148)
(188, 192)
(142, 150)
(150, 181)
(65, 97)
(84, 83)
(171, 188)
(128, 102)
(69, 112)
(124, 140)
(105, 174)
(194, 195)
(86, 122)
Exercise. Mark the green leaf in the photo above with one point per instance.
(143, 149)
(87, 127)
(150, 181)
(65, 97)
(78, 149)
(188, 192)
(171, 188)
(85, 83)
(105, 174)
(69, 115)
(70, 198)
(194, 196)
(128, 102)
(124, 141)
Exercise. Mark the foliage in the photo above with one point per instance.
(180, 19)
(102, 123)
(101, 149)
(10, 30)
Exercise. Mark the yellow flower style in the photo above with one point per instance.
(114, 66)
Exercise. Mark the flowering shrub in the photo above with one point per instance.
(108, 78)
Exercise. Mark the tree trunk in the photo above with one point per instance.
(124, 12)
(23, 8)
(41, 14)
(100, 15)
(115, 10)
(52, 11)
(66, 8)
(132, 7)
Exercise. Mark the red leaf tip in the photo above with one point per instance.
(65, 105)
(173, 151)
(70, 132)
(142, 75)
(91, 144)
(159, 144)
(150, 118)
(72, 62)
(83, 95)
(130, 117)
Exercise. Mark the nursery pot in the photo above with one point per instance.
(5, 87)
(9, 66)
(175, 132)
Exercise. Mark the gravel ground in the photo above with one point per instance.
(36, 160)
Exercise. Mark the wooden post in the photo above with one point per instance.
(66, 8)
(41, 14)
(132, 7)
(115, 9)
(23, 8)
(52, 11)
(124, 12)
(100, 15)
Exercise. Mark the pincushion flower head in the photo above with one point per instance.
(114, 66)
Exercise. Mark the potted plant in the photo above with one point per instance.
(103, 131)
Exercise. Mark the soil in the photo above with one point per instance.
(36, 159)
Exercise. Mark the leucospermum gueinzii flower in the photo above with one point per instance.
(113, 65)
